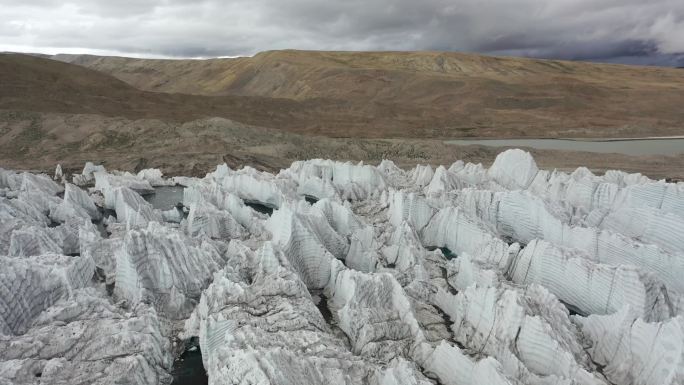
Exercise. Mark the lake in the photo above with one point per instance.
(165, 197)
(188, 368)
(645, 146)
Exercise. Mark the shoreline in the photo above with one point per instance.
(646, 146)
(604, 139)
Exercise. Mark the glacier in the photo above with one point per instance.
(333, 272)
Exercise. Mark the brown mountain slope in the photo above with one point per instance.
(42, 85)
(417, 94)
(52, 112)
(34, 84)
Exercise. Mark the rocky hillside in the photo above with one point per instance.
(53, 112)
(433, 94)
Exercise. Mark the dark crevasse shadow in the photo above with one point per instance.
(322, 306)
(573, 310)
(260, 207)
(188, 368)
(448, 254)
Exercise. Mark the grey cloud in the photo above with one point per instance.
(608, 30)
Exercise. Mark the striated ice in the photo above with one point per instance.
(254, 186)
(40, 200)
(409, 207)
(105, 182)
(258, 324)
(317, 188)
(131, 209)
(59, 174)
(528, 332)
(32, 241)
(443, 181)
(340, 217)
(85, 339)
(308, 240)
(40, 182)
(633, 351)
(363, 250)
(392, 174)
(87, 176)
(375, 313)
(422, 175)
(20, 211)
(76, 203)
(163, 267)
(352, 181)
(451, 228)
(31, 286)
(523, 217)
(360, 275)
(213, 222)
(649, 226)
(470, 173)
(590, 287)
(208, 192)
(173, 214)
(404, 249)
(9, 179)
(26, 230)
(155, 177)
(453, 367)
(463, 272)
(101, 249)
(513, 169)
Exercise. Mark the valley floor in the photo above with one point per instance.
(39, 141)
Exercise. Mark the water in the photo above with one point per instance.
(260, 207)
(165, 197)
(188, 368)
(448, 254)
(662, 146)
(322, 306)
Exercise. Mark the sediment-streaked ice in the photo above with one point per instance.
(344, 273)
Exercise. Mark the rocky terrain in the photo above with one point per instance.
(343, 273)
(37, 141)
(429, 94)
(189, 115)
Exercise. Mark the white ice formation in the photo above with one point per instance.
(341, 273)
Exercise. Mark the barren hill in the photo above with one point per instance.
(36, 84)
(432, 94)
(277, 107)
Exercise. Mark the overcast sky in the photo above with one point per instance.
(627, 31)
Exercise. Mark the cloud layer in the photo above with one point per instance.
(633, 31)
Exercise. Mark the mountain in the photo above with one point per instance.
(42, 85)
(431, 94)
(55, 112)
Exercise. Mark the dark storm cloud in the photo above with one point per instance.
(592, 50)
(607, 30)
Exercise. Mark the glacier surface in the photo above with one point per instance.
(344, 273)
